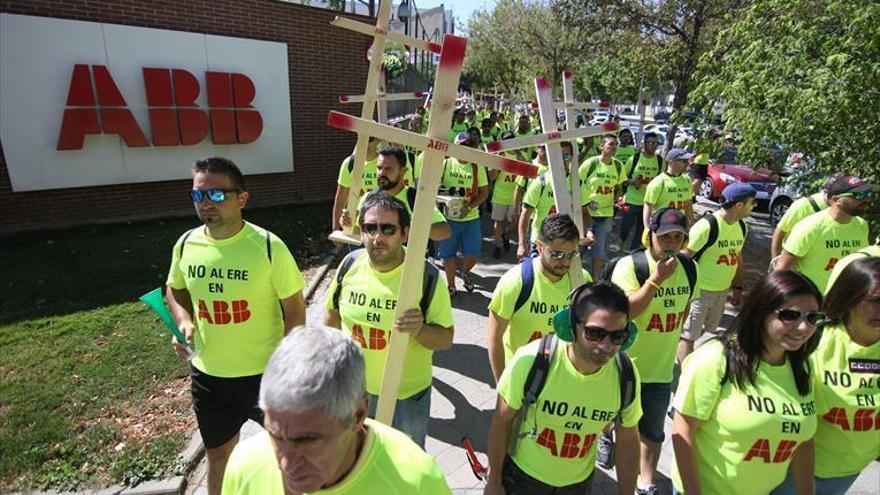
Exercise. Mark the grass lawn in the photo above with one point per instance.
(90, 392)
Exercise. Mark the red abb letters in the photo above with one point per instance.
(863, 419)
(572, 446)
(221, 314)
(376, 341)
(175, 117)
(761, 449)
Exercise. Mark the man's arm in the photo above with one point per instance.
(689, 211)
(294, 308)
(495, 343)
(482, 194)
(737, 284)
(684, 430)
(524, 217)
(802, 466)
(776, 242)
(440, 231)
(641, 299)
(499, 438)
(786, 261)
(646, 216)
(338, 205)
(180, 304)
(331, 318)
(626, 456)
(433, 337)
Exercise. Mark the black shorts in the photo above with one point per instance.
(222, 405)
(698, 171)
(518, 482)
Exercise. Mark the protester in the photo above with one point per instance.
(552, 451)
(528, 295)
(317, 437)
(644, 165)
(504, 207)
(872, 250)
(744, 409)
(625, 149)
(362, 300)
(234, 290)
(601, 183)
(670, 188)
(800, 209)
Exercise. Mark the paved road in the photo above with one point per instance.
(463, 398)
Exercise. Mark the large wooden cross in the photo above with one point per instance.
(380, 35)
(436, 149)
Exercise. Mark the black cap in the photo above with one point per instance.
(848, 184)
(666, 220)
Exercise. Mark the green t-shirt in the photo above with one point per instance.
(505, 186)
(389, 464)
(625, 153)
(747, 437)
(820, 242)
(600, 184)
(719, 262)
(458, 180)
(872, 250)
(668, 191)
(660, 323)
(800, 209)
(523, 181)
(571, 411)
(539, 196)
(535, 318)
(846, 378)
(366, 310)
(369, 180)
(235, 289)
(436, 216)
(645, 170)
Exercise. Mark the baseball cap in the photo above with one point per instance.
(666, 220)
(738, 191)
(848, 184)
(678, 154)
(464, 138)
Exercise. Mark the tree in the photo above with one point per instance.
(804, 73)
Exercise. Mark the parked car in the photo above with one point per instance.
(721, 175)
(783, 196)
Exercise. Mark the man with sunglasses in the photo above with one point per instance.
(363, 307)
(555, 449)
(234, 290)
(642, 167)
(820, 240)
(546, 279)
(659, 307)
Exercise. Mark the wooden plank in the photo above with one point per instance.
(571, 123)
(413, 95)
(380, 31)
(551, 137)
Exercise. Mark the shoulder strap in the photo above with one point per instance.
(814, 204)
(269, 246)
(617, 165)
(527, 274)
(635, 163)
(590, 169)
(690, 269)
(183, 242)
(744, 229)
(429, 284)
(537, 376)
(350, 163)
(713, 235)
(640, 263)
(475, 183)
(627, 381)
(411, 198)
(344, 267)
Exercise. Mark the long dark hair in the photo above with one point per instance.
(745, 338)
(851, 286)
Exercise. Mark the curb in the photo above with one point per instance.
(319, 274)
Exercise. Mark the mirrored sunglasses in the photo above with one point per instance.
(562, 255)
(215, 195)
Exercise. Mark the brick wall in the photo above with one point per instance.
(324, 61)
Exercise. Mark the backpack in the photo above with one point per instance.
(268, 243)
(429, 282)
(635, 163)
(640, 262)
(537, 378)
(592, 168)
(713, 234)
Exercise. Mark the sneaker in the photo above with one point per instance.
(605, 452)
(496, 252)
(468, 282)
(651, 490)
(506, 243)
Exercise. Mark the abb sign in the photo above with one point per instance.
(175, 117)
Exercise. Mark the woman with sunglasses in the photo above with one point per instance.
(744, 408)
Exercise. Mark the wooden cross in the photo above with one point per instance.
(436, 149)
(570, 124)
(380, 35)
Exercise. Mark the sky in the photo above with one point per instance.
(461, 8)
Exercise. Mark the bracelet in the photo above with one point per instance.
(652, 284)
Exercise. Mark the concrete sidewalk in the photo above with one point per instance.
(463, 397)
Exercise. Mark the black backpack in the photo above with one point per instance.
(713, 234)
(640, 262)
(429, 282)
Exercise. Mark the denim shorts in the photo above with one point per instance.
(410, 415)
(601, 229)
(465, 235)
(655, 402)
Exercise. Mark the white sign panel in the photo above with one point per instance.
(87, 104)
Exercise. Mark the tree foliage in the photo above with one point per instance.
(805, 73)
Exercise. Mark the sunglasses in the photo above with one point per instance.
(215, 195)
(598, 334)
(385, 228)
(562, 255)
(793, 315)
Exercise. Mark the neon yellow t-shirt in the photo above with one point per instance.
(455, 130)
(369, 180)
(668, 191)
(872, 250)
(389, 464)
(599, 186)
(505, 185)
(820, 242)
(625, 153)
(535, 318)
(719, 262)
(660, 323)
(436, 216)
(747, 437)
(846, 377)
(524, 182)
(458, 180)
(235, 290)
(645, 170)
(800, 209)
(366, 309)
(569, 414)
(539, 196)
(531, 152)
